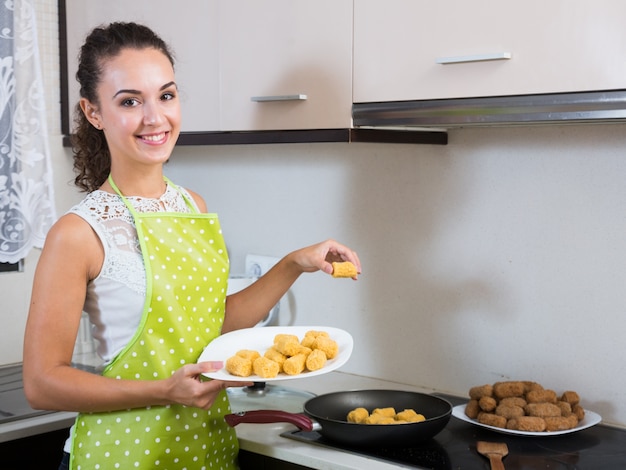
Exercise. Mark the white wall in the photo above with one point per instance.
(499, 256)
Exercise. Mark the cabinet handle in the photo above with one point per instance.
(260, 99)
(473, 58)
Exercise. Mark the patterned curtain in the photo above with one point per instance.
(26, 192)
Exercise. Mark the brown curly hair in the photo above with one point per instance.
(92, 160)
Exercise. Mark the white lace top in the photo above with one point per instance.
(115, 298)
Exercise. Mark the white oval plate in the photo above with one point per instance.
(590, 419)
(261, 339)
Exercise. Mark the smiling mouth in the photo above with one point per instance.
(154, 137)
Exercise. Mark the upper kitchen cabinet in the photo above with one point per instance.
(417, 50)
(285, 64)
(192, 35)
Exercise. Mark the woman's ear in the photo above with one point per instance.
(91, 113)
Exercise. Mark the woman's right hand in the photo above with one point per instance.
(188, 387)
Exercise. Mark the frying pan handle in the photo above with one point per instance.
(270, 416)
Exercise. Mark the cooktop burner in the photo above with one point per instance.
(597, 448)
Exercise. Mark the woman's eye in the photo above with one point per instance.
(168, 96)
(129, 102)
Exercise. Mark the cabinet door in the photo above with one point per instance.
(285, 64)
(408, 49)
(191, 32)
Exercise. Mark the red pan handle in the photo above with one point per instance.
(270, 416)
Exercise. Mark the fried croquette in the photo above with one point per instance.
(509, 411)
(294, 365)
(559, 423)
(316, 360)
(328, 345)
(529, 386)
(472, 409)
(542, 410)
(239, 366)
(578, 411)
(265, 367)
(409, 416)
(344, 269)
(248, 354)
(487, 403)
(492, 420)
(476, 393)
(566, 408)
(570, 397)
(289, 345)
(541, 396)
(309, 337)
(508, 389)
(377, 418)
(527, 424)
(389, 411)
(276, 356)
(513, 401)
(358, 415)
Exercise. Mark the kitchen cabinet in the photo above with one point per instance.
(193, 38)
(285, 64)
(408, 50)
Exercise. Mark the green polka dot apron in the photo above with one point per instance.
(186, 277)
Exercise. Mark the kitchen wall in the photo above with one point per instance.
(499, 256)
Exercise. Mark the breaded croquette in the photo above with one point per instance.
(542, 410)
(570, 397)
(492, 420)
(377, 418)
(559, 423)
(476, 393)
(316, 360)
(513, 401)
(344, 269)
(508, 389)
(248, 354)
(527, 424)
(566, 408)
(265, 368)
(541, 396)
(289, 345)
(239, 366)
(358, 415)
(389, 412)
(578, 411)
(509, 411)
(294, 365)
(309, 337)
(472, 409)
(328, 345)
(276, 356)
(487, 403)
(530, 386)
(410, 416)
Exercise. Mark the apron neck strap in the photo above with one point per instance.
(191, 206)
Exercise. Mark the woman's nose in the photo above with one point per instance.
(152, 115)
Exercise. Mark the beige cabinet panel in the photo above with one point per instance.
(417, 49)
(285, 64)
(190, 31)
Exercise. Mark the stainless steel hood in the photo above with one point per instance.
(557, 108)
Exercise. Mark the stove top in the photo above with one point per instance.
(13, 404)
(596, 448)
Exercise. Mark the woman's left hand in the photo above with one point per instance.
(321, 256)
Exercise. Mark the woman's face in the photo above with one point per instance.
(139, 109)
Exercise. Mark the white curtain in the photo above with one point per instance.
(26, 192)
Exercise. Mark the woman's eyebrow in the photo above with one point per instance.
(138, 92)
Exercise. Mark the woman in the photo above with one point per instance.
(149, 265)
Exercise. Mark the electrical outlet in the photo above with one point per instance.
(257, 265)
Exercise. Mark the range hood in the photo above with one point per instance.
(556, 108)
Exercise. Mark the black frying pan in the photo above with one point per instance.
(327, 414)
